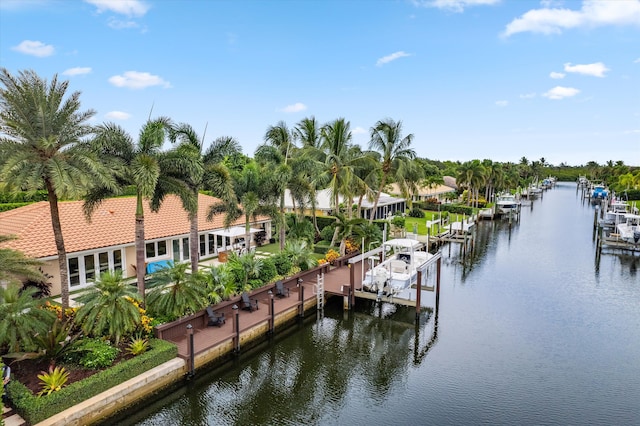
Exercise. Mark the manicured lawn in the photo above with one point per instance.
(270, 248)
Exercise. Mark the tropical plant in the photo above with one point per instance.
(42, 147)
(300, 253)
(282, 263)
(15, 266)
(175, 293)
(386, 138)
(137, 346)
(53, 381)
(220, 284)
(108, 307)
(96, 353)
(22, 318)
(245, 270)
(52, 345)
(152, 172)
(206, 171)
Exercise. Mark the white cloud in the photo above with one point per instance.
(597, 69)
(118, 24)
(556, 75)
(560, 92)
(453, 5)
(123, 7)
(77, 71)
(637, 61)
(138, 80)
(593, 13)
(528, 96)
(502, 103)
(359, 131)
(35, 48)
(392, 57)
(117, 115)
(297, 107)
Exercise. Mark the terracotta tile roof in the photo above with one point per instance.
(113, 223)
(425, 190)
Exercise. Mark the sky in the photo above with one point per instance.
(469, 79)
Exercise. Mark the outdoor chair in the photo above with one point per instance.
(281, 290)
(246, 303)
(215, 318)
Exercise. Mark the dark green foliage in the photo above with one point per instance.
(327, 233)
(35, 409)
(416, 212)
(268, 270)
(10, 206)
(282, 263)
(398, 221)
(631, 194)
(43, 288)
(22, 197)
(95, 353)
(324, 221)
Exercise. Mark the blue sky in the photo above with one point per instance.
(497, 79)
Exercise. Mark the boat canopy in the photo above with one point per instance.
(403, 243)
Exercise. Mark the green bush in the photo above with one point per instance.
(23, 197)
(10, 206)
(35, 409)
(324, 221)
(96, 354)
(416, 212)
(268, 270)
(282, 263)
(327, 233)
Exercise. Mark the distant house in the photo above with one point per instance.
(387, 205)
(107, 242)
(425, 192)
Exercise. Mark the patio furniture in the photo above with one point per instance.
(281, 290)
(247, 304)
(215, 318)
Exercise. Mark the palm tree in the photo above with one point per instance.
(151, 171)
(256, 192)
(175, 293)
(15, 266)
(471, 174)
(244, 270)
(300, 253)
(206, 171)
(42, 146)
(282, 140)
(22, 317)
(386, 137)
(108, 307)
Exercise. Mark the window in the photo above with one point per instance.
(212, 243)
(86, 269)
(203, 245)
(185, 248)
(90, 268)
(74, 271)
(156, 249)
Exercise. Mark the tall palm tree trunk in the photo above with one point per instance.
(62, 252)
(375, 203)
(140, 248)
(282, 227)
(194, 244)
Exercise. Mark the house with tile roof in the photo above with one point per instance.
(106, 242)
(434, 191)
(387, 204)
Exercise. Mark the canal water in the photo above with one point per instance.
(531, 329)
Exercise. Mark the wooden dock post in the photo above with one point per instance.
(418, 295)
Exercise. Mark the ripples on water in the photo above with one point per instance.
(531, 330)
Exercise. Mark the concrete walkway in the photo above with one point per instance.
(11, 418)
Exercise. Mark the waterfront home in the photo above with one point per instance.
(387, 204)
(107, 241)
(425, 192)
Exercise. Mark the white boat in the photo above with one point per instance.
(402, 259)
(615, 215)
(599, 192)
(507, 203)
(629, 231)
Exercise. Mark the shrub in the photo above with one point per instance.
(416, 212)
(138, 346)
(268, 270)
(282, 263)
(398, 221)
(327, 233)
(34, 409)
(53, 381)
(96, 354)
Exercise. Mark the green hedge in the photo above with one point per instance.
(23, 197)
(35, 409)
(10, 206)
